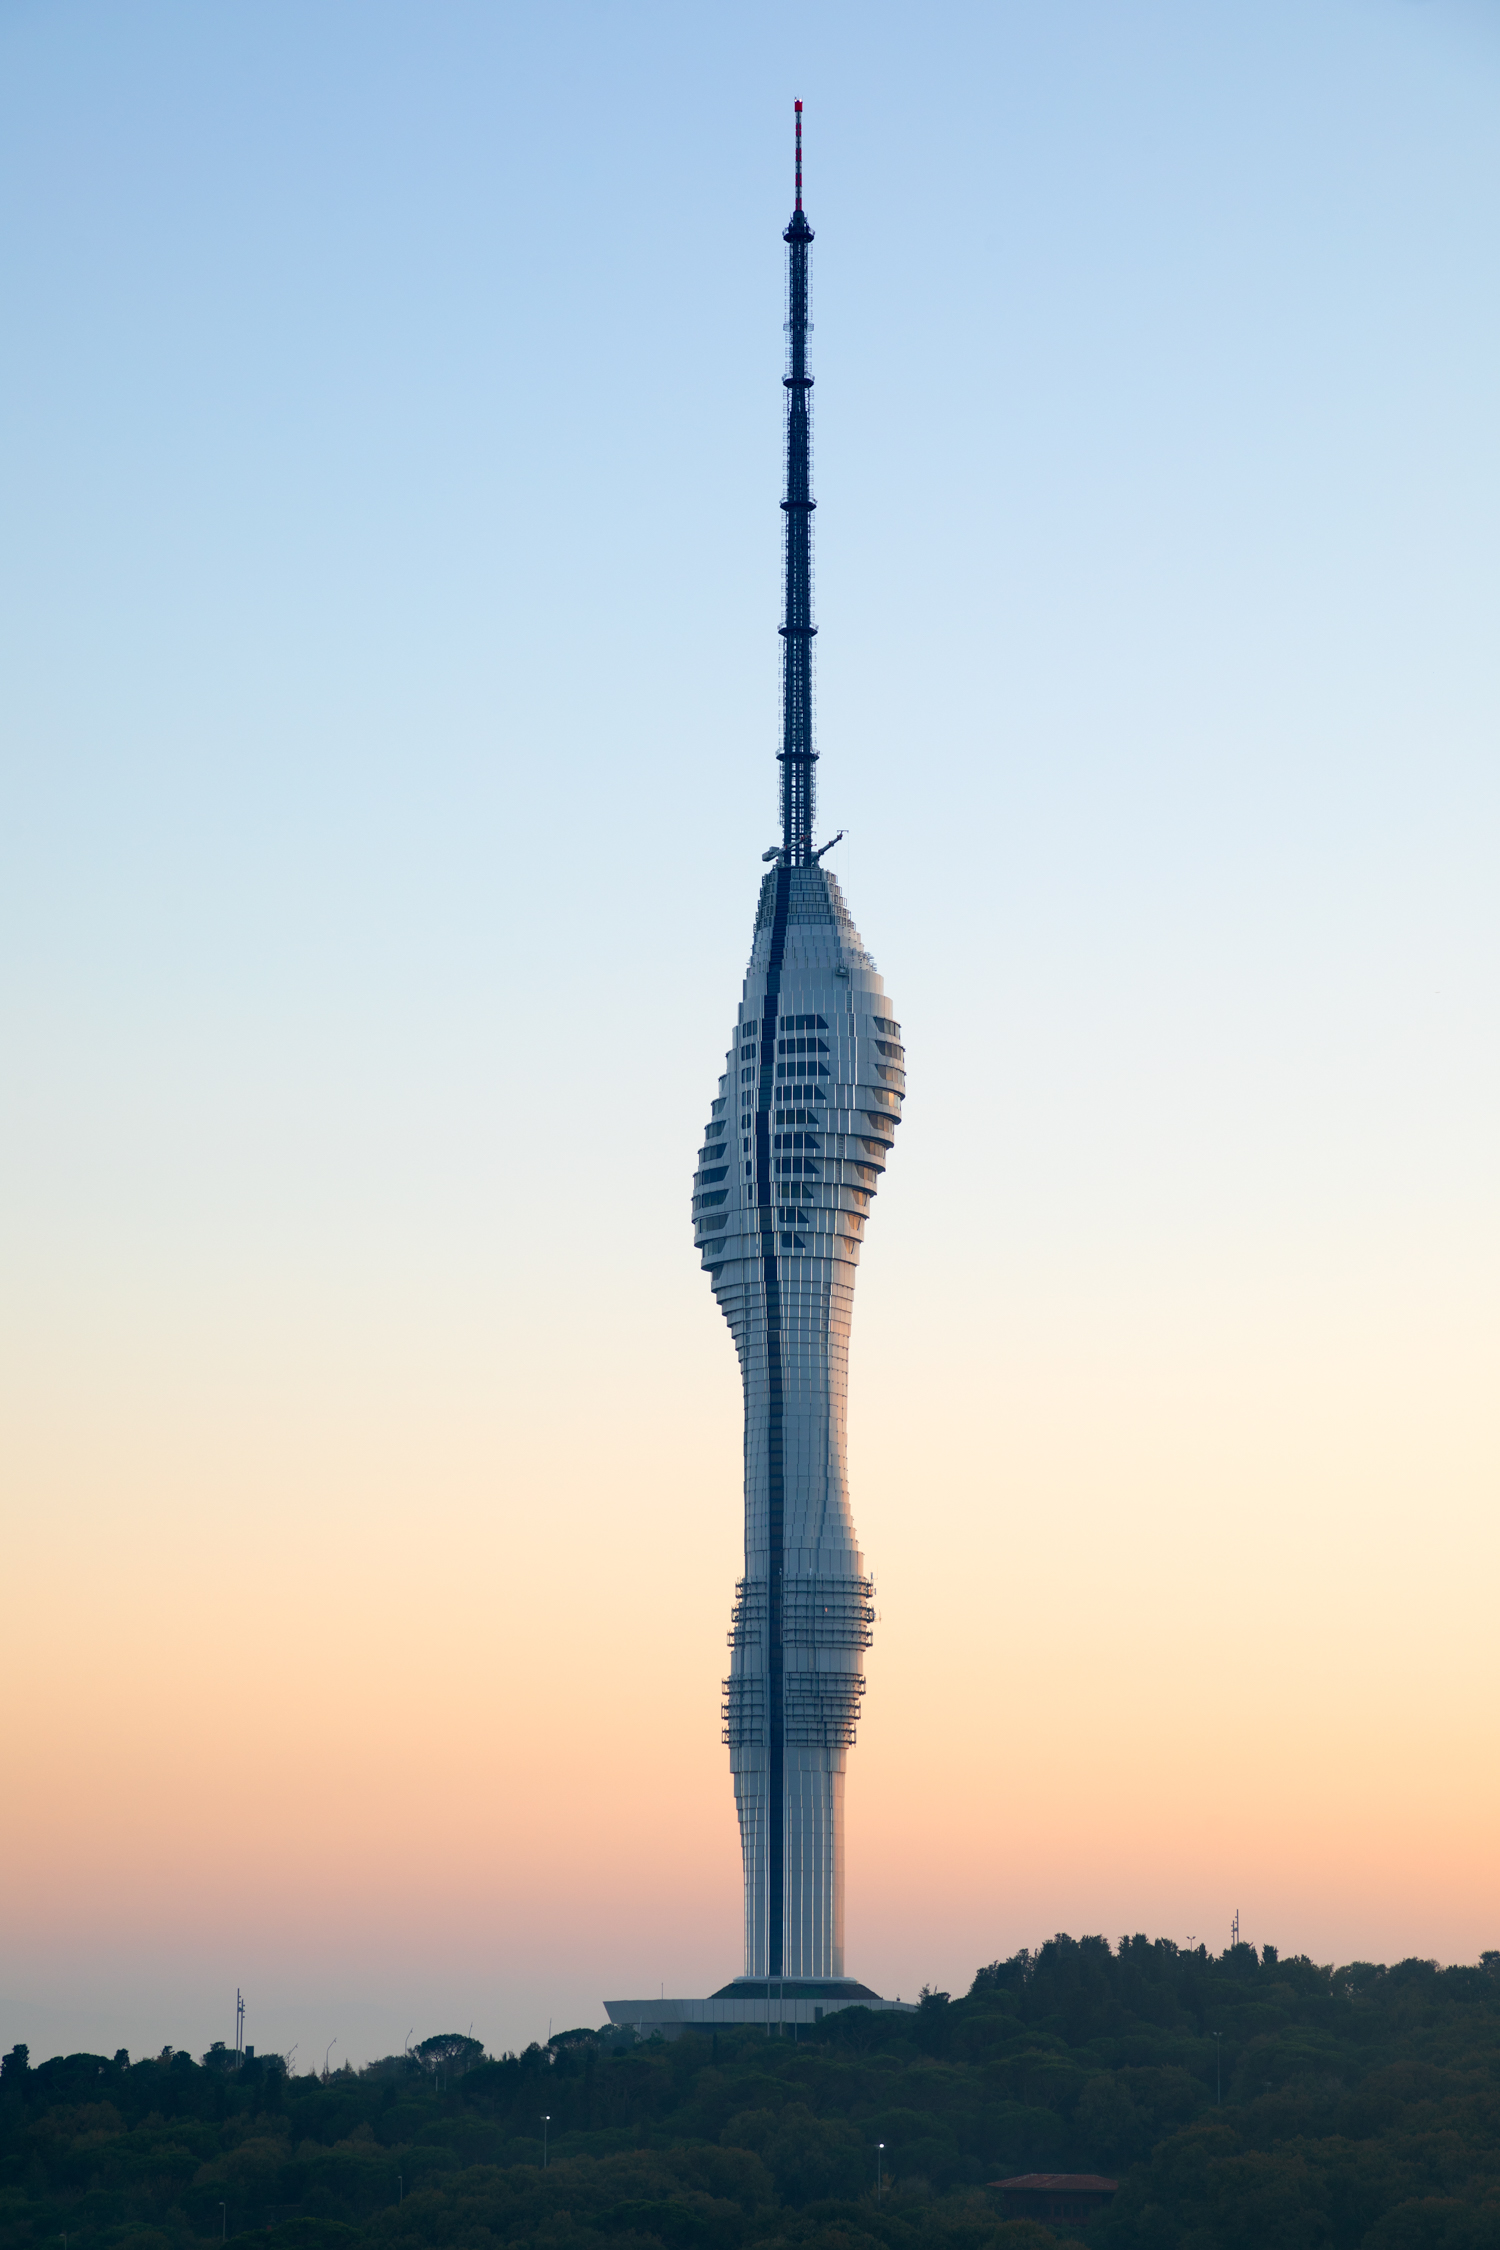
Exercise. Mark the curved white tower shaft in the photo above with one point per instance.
(793, 1156)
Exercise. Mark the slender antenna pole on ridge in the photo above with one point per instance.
(797, 755)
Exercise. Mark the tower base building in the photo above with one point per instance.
(779, 2007)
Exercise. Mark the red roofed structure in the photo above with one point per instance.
(1055, 2195)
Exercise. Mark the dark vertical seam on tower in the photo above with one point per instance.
(775, 1447)
(797, 758)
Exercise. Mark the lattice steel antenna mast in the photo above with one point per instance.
(797, 754)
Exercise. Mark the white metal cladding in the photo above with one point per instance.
(793, 1156)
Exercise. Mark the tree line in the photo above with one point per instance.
(1243, 2102)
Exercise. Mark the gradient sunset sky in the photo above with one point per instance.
(390, 415)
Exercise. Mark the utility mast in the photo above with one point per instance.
(239, 2027)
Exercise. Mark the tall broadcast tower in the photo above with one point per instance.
(792, 1157)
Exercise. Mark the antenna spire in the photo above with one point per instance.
(797, 756)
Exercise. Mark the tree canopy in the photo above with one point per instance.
(1243, 2102)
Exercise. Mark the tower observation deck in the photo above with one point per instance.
(796, 1146)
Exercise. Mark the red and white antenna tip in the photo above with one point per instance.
(799, 155)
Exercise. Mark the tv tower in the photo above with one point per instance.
(792, 1158)
(793, 1153)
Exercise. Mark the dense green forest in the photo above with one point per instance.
(1243, 2103)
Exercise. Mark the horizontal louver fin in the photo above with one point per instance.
(744, 1713)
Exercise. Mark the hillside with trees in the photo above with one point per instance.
(1242, 2102)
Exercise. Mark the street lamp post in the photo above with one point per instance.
(879, 2168)
(546, 2121)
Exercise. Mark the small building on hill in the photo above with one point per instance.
(1054, 2195)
